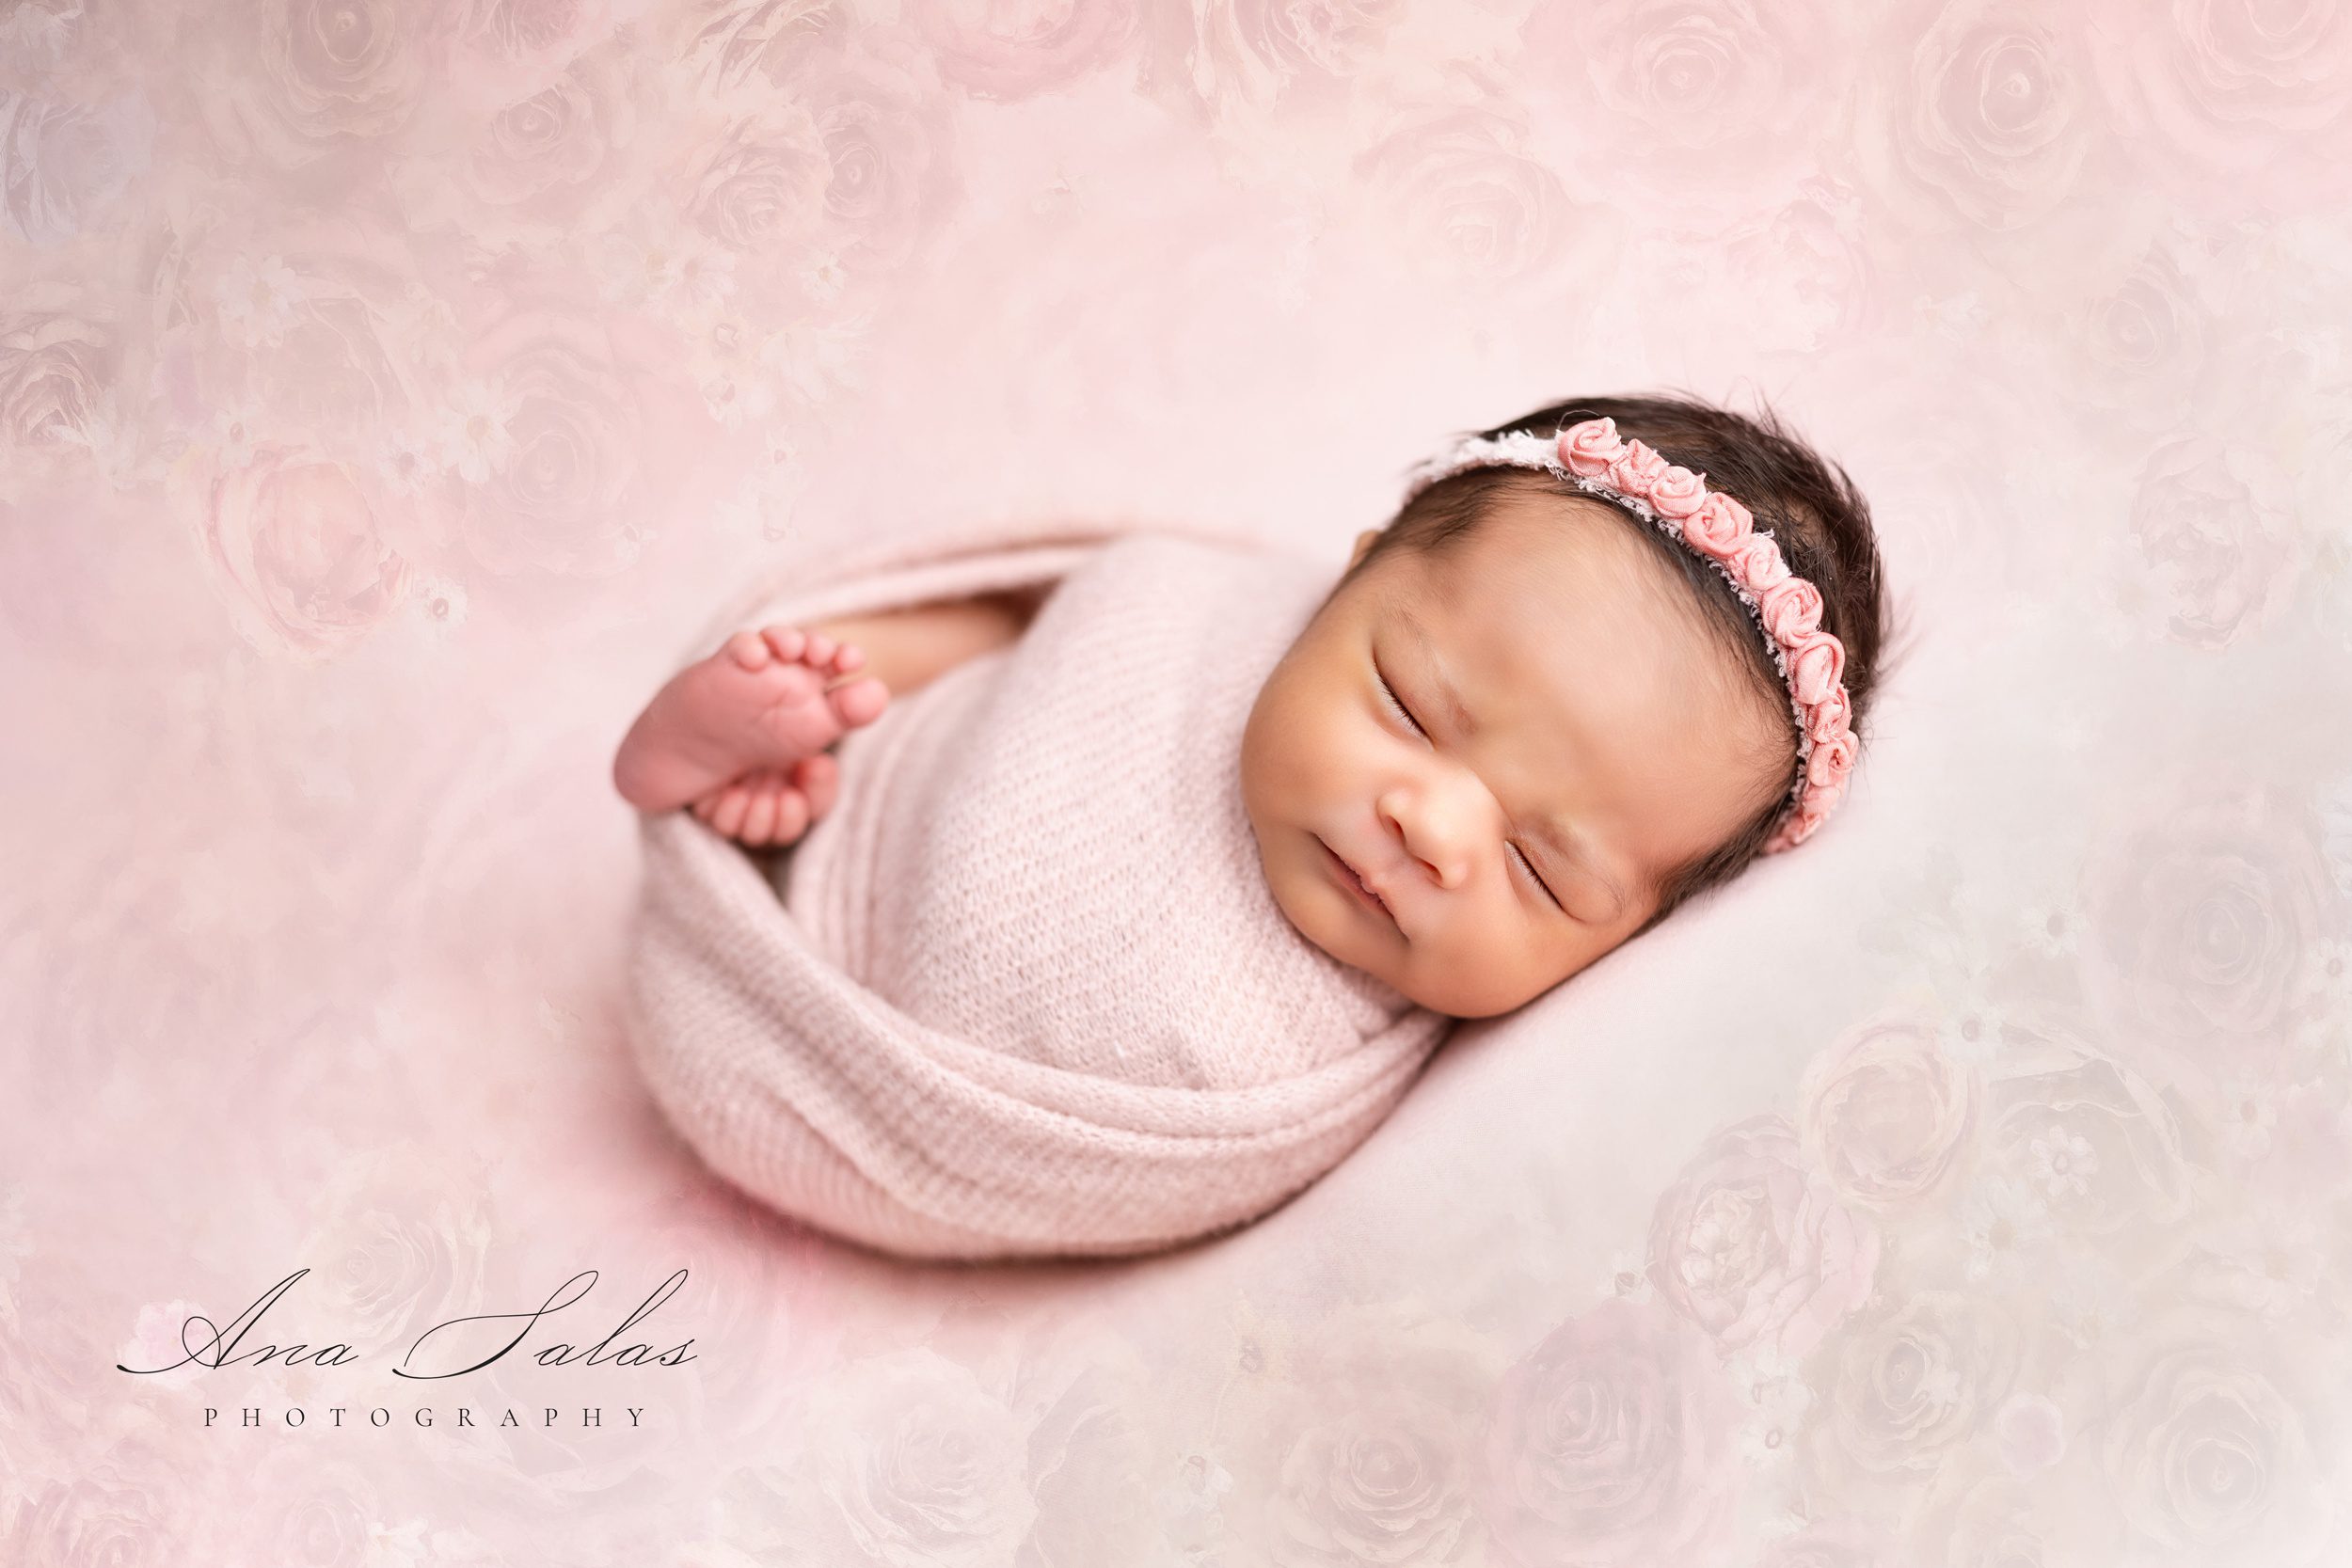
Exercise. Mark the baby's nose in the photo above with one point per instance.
(1435, 829)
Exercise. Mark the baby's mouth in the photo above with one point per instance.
(1355, 879)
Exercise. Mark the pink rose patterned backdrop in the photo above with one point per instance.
(390, 388)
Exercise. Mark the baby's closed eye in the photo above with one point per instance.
(1518, 856)
(1395, 702)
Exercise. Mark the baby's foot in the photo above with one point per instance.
(757, 706)
(774, 808)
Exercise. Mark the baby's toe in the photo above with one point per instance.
(859, 701)
(759, 816)
(726, 816)
(792, 815)
(788, 642)
(748, 649)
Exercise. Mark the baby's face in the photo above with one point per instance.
(1605, 738)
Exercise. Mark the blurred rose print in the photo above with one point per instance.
(293, 81)
(2091, 1142)
(1367, 1452)
(1088, 1458)
(1460, 191)
(137, 955)
(1611, 1442)
(63, 167)
(759, 185)
(1907, 1385)
(299, 550)
(59, 367)
(1987, 117)
(1224, 57)
(160, 1338)
(314, 333)
(545, 152)
(1721, 104)
(88, 1523)
(1336, 37)
(1754, 1248)
(45, 1412)
(352, 358)
(516, 28)
(1383, 1484)
(1981, 1512)
(1796, 281)
(2215, 532)
(2146, 338)
(319, 1512)
(560, 427)
(911, 1461)
(2238, 101)
(885, 127)
(2212, 1446)
(35, 35)
(1887, 1116)
(397, 1246)
(732, 43)
(2200, 918)
(132, 1495)
(1836, 1543)
(1010, 51)
(323, 1527)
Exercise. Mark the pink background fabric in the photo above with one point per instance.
(389, 390)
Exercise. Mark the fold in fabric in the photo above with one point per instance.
(1024, 992)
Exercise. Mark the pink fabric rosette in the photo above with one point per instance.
(1722, 530)
(1831, 715)
(1831, 761)
(1636, 471)
(1815, 664)
(1791, 608)
(1756, 562)
(1677, 493)
(1590, 449)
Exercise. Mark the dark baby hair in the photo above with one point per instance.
(1809, 505)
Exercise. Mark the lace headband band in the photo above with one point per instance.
(1787, 609)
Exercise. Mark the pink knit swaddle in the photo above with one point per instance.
(1027, 992)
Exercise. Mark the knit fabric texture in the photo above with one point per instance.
(1025, 992)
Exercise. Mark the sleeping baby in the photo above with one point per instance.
(1604, 657)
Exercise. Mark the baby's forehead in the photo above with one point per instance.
(1550, 560)
(1532, 563)
(1559, 595)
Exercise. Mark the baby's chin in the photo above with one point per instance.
(1332, 930)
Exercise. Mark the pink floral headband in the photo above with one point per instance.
(1721, 533)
